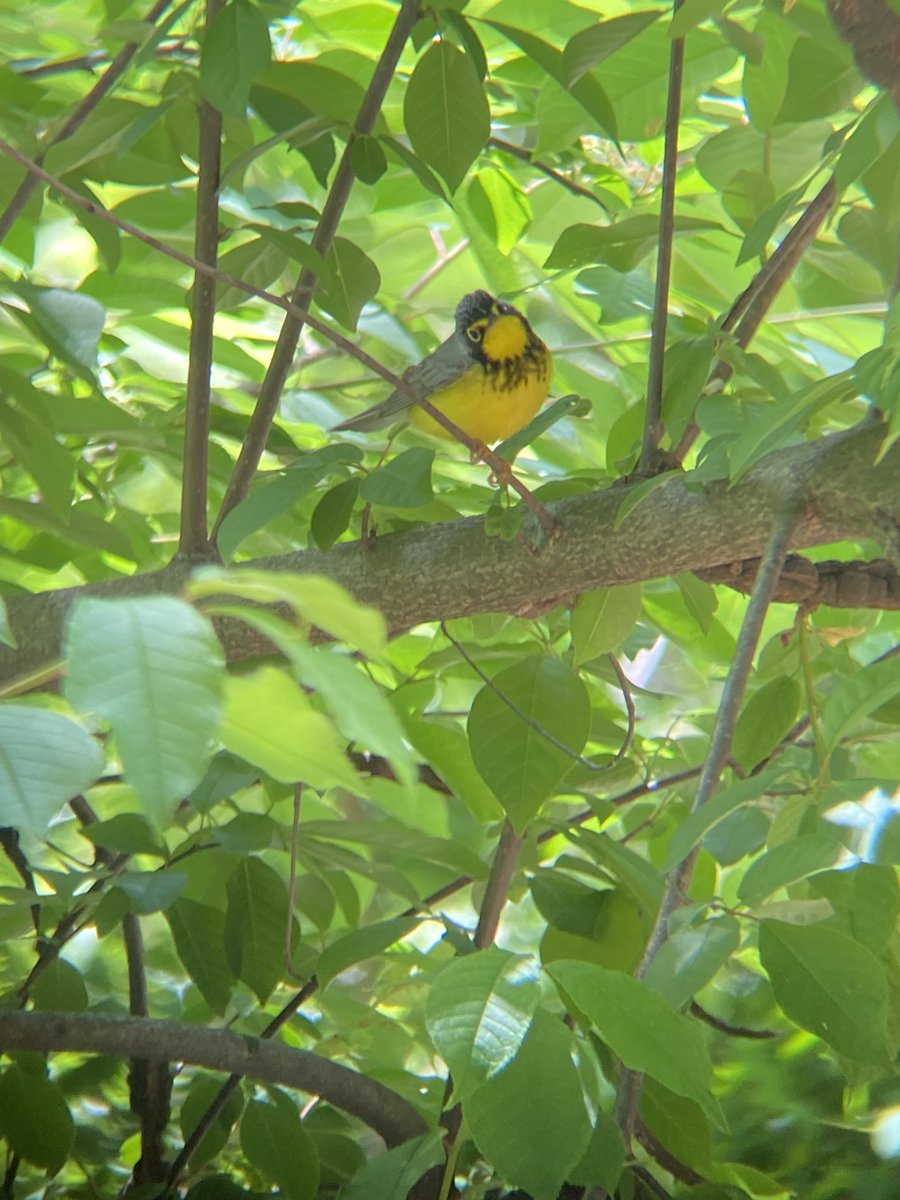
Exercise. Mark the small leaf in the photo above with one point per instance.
(35, 1119)
(764, 720)
(589, 47)
(276, 1143)
(331, 516)
(532, 1121)
(691, 957)
(506, 727)
(392, 1175)
(255, 922)
(45, 760)
(602, 620)
(829, 984)
(151, 891)
(789, 862)
(367, 158)
(856, 698)
(641, 1029)
(404, 482)
(153, 668)
(60, 988)
(69, 323)
(198, 931)
(446, 112)
(361, 944)
(269, 722)
(236, 51)
(478, 1011)
(349, 282)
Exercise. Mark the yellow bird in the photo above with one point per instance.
(490, 376)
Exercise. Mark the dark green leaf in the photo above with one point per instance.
(199, 934)
(236, 51)
(403, 482)
(276, 1143)
(34, 1118)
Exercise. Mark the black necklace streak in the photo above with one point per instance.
(509, 373)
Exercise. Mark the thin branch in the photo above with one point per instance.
(751, 306)
(9, 842)
(149, 1082)
(625, 688)
(577, 189)
(292, 881)
(85, 62)
(679, 877)
(736, 1031)
(257, 433)
(80, 114)
(497, 891)
(653, 424)
(381, 1108)
(194, 539)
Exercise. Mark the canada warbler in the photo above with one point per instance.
(490, 376)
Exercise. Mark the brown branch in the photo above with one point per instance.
(451, 569)
(736, 1031)
(497, 891)
(856, 584)
(257, 433)
(149, 1082)
(194, 539)
(101, 88)
(379, 1107)
(625, 688)
(653, 423)
(9, 842)
(679, 877)
(872, 27)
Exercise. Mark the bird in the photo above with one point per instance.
(489, 377)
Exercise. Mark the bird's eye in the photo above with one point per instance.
(474, 333)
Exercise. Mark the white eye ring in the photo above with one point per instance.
(474, 333)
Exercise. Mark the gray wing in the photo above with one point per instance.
(436, 370)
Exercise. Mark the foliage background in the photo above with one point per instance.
(519, 147)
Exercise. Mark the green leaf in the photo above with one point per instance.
(236, 51)
(865, 900)
(621, 295)
(198, 931)
(690, 14)
(764, 720)
(691, 830)
(349, 282)
(765, 82)
(602, 620)
(602, 1162)
(792, 860)
(856, 698)
(829, 984)
(391, 1175)
(506, 727)
(60, 988)
(151, 891)
(276, 1143)
(331, 516)
(31, 438)
(361, 944)
(126, 833)
(268, 502)
(204, 1093)
(367, 158)
(443, 745)
(270, 723)
(446, 113)
(589, 47)
(318, 600)
(641, 1029)
(35, 1119)
(691, 957)
(533, 1120)
(586, 89)
(622, 244)
(153, 668)
(478, 1011)
(68, 323)
(255, 922)
(500, 207)
(403, 482)
(45, 760)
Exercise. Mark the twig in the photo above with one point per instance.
(625, 687)
(101, 88)
(9, 842)
(653, 425)
(577, 189)
(497, 890)
(254, 442)
(720, 744)
(194, 538)
(292, 881)
(149, 1082)
(738, 1031)
(751, 306)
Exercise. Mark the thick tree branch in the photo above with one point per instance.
(452, 570)
(218, 1050)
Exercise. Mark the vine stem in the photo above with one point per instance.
(678, 879)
